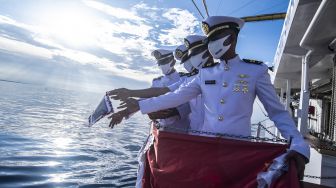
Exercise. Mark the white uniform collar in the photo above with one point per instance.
(172, 75)
(237, 58)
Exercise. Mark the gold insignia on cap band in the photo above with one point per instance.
(217, 29)
(178, 53)
(184, 55)
(205, 28)
(195, 47)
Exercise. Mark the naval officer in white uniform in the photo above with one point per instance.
(229, 90)
(166, 62)
(198, 57)
(176, 117)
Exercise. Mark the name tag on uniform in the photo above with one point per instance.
(210, 82)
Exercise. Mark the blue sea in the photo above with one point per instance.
(44, 140)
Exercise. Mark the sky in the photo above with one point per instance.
(100, 45)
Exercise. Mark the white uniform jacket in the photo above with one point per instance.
(229, 90)
(196, 104)
(183, 109)
(180, 122)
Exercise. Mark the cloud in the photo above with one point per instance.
(12, 29)
(104, 64)
(120, 43)
(18, 47)
(184, 23)
(66, 55)
(10, 21)
(113, 11)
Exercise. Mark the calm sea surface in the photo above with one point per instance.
(44, 142)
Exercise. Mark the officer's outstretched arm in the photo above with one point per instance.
(183, 94)
(170, 100)
(117, 118)
(153, 91)
(123, 93)
(277, 113)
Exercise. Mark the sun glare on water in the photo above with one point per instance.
(62, 143)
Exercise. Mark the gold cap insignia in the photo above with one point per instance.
(205, 28)
(186, 43)
(178, 53)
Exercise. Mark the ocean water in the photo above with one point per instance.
(44, 142)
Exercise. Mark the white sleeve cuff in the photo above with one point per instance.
(301, 146)
(145, 106)
(172, 87)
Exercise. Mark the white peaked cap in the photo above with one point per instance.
(192, 41)
(161, 53)
(180, 52)
(215, 23)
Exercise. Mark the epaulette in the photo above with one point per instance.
(210, 64)
(158, 78)
(183, 74)
(251, 61)
(194, 72)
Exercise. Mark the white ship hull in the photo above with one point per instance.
(304, 69)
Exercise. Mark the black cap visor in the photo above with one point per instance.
(165, 60)
(197, 50)
(185, 57)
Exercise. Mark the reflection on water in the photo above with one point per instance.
(61, 142)
(44, 143)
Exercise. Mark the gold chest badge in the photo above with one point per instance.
(241, 85)
(243, 75)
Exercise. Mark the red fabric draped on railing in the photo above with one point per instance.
(182, 161)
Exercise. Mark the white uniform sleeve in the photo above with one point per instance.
(154, 83)
(175, 85)
(158, 82)
(184, 110)
(172, 99)
(277, 113)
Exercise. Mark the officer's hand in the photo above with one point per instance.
(130, 105)
(163, 114)
(119, 94)
(300, 162)
(116, 118)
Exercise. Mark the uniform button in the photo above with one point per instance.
(225, 84)
(226, 68)
(222, 101)
(220, 118)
